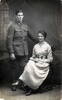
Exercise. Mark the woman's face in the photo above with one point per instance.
(40, 37)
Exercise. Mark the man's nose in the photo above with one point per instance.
(40, 37)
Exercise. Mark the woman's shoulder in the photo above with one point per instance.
(47, 44)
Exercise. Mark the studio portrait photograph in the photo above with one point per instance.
(30, 49)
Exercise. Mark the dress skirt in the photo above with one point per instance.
(34, 74)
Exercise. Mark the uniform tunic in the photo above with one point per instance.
(17, 38)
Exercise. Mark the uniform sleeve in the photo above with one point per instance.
(10, 36)
(50, 56)
(31, 35)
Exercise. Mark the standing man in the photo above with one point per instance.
(17, 40)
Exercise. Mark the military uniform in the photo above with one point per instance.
(17, 42)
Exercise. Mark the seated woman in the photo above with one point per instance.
(37, 68)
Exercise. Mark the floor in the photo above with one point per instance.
(7, 94)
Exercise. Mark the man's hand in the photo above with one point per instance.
(12, 56)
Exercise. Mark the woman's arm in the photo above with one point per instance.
(34, 58)
(49, 56)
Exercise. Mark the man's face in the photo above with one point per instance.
(20, 17)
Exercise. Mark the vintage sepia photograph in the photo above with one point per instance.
(30, 49)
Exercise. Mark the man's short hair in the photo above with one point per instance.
(19, 11)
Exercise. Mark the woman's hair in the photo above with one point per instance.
(43, 33)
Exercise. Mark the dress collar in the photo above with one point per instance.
(40, 44)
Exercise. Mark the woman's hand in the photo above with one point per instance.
(34, 59)
(31, 58)
(45, 60)
(41, 60)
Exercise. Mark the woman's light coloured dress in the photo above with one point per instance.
(36, 72)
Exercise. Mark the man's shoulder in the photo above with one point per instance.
(25, 25)
(11, 24)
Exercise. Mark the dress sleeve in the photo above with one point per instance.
(34, 53)
(50, 57)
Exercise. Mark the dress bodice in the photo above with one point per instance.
(42, 51)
